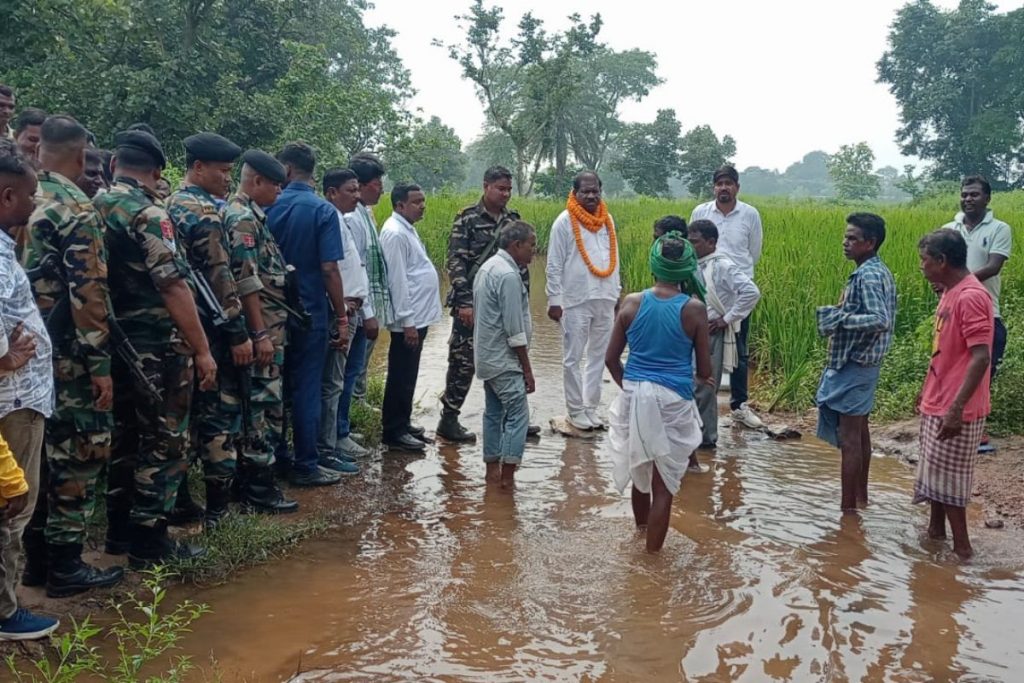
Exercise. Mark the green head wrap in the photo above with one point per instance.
(683, 271)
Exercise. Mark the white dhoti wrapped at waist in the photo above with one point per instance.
(651, 426)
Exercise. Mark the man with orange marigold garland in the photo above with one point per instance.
(583, 288)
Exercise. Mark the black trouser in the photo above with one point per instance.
(998, 346)
(400, 389)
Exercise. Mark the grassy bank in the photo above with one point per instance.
(803, 267)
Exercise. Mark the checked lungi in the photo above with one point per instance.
(945, 471)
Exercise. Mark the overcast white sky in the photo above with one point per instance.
(782, 77)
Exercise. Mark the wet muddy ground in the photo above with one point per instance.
(440, 578)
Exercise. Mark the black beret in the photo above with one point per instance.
(211, 147)
(142, 141)
(266, 165)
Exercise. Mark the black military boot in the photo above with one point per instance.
(151, 545)
(452, 430)
(259, 492)
(186, 511)
(69, 575)
(118, 530)
(218, 493)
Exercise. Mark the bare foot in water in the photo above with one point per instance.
(493, 475)
(937, 534)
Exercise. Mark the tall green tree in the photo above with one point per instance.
(430, 155)
(556, 95)
(701, 152)
(957, 76)
(851, 171)
(649, 154)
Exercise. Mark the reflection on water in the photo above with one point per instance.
(760, 578)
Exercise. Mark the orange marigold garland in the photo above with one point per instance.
(593, 223)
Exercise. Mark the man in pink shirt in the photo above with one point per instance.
(955, 398)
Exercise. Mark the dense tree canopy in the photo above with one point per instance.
(958, 77)
(259, 71)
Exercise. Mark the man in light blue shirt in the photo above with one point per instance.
(501, 338)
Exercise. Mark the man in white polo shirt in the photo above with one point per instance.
(739, 238)
(989, 241)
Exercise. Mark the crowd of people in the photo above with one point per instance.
(145, 328)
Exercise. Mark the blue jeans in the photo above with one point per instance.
(998, 347)
(738, 377)
(303, 372)
(354, 368)
(506, 418)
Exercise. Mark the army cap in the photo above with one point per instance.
(266, 165)
(143, 142)
(211, 147)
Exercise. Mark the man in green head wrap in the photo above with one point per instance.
(655, 426)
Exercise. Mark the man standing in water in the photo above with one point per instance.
(739, 238)
(655, 425)
(500, 345)
(860, 332)
(583, 288)
(474, 239)
(955, 398)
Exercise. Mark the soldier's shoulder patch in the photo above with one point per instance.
(248, 240)
(209, 210)
(167, 232)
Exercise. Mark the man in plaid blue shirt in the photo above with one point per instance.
(860, 329)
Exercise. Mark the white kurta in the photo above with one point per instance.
(588, 309)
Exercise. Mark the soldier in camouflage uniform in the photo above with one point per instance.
(217, 414)
(156, 309)
(474, 239)
(260, 273)
(66, 259)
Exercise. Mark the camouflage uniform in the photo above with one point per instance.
(217, 413)
(472, 233)
(66, 229)
(150, 445)
(258, 266)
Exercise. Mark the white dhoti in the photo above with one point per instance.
(586, 330)
(651, 426)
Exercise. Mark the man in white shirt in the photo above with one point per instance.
(731, 296)
(989, 242)
(377, 310)
(583, 287)
(416, 297)
(739, 238)
(341, 189)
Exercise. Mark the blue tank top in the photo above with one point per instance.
(659, 350)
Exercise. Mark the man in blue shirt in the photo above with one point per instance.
(308, 233)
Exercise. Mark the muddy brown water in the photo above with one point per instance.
(440, 578)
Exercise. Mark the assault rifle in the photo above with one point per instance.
(208, 303)
(59, 317)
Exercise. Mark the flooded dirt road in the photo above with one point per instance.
(443, 579)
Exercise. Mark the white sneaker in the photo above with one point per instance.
(595, 419)
(747, 416)
(580, 421)
(352, 449)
